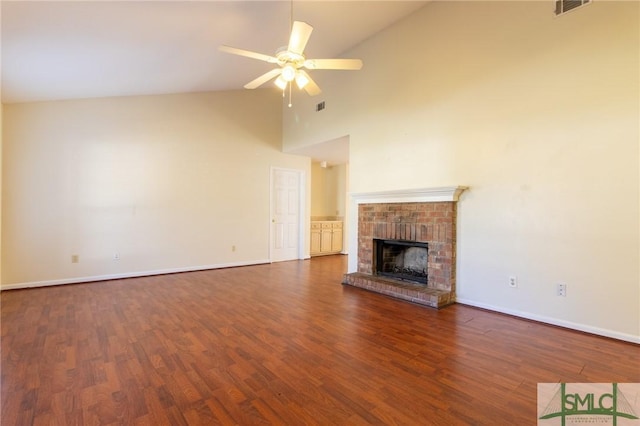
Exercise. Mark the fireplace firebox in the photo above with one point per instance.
(402, 260)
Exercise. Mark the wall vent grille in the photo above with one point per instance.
(320, 106)
(564, 6)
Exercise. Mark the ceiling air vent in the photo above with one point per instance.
(320, 106)
(563, 6)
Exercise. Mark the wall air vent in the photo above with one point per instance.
(563, 6)
(320, 106)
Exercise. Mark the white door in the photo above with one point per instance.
(285, 214)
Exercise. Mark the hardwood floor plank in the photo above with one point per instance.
(283, 343)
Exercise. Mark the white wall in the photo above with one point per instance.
(318, 191)
(539, 116)
(1, 133)
(1, 139)
(328, 187)
(168, 182)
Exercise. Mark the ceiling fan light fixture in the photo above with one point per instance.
(301, 80)
(288, 72)
(281, 82)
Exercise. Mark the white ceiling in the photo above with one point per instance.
(54, 50)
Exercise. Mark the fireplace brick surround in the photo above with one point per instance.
(430, 222)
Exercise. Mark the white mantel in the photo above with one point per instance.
(419, 195)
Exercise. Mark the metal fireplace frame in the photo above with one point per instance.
(379, 245)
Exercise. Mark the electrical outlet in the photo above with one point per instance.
(75, 258)
(116, 256)
(561, 290)
(513, 281)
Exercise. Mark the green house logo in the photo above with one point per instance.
(588, 403)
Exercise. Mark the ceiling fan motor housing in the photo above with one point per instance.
(285, 56)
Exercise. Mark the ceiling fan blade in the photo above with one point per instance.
(311, 87)
(263, 78)
(333, 64)
(300, 34)
(248, 54)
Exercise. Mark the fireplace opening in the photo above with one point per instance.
(399, 259)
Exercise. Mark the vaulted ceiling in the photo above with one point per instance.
(54, 50)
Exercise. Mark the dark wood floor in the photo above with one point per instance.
(278, 344)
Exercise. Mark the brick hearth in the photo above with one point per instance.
(405, 290)
(430, 222)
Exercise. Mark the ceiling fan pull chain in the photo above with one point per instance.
(290, 95)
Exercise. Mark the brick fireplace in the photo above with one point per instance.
(425, 216)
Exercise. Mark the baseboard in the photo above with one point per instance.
(554, 321)
(123, 275)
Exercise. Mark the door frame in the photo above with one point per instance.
(302, 202)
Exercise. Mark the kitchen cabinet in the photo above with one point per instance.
(326, 237)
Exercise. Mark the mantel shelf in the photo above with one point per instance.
(419, 195)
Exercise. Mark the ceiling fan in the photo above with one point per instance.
(291, 61)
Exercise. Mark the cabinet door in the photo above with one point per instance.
(316, 236)
(336, 240)
(325, 241)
